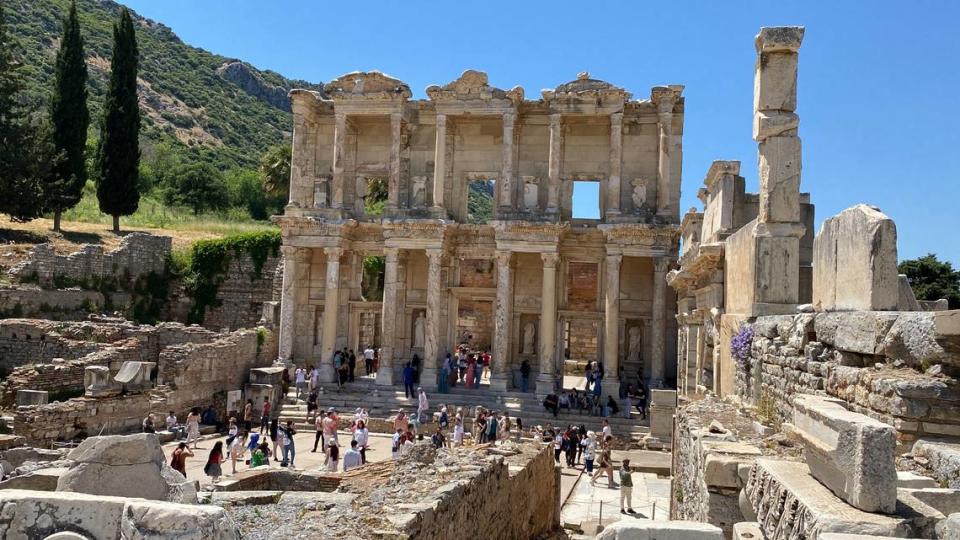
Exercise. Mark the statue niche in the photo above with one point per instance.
(529, 337)
(419, 331)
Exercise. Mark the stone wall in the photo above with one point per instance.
(138, 254)
(896, 367)
(242, 294)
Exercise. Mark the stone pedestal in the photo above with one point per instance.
(499, 382)
(97, 383)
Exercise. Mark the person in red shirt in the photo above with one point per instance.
(265, 414)
(212, 468)
(486, 365)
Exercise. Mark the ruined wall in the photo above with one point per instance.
(896, 367)
(242, 294)
(138, 254)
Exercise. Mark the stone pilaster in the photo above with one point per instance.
(548, 325)
(287, 304)
(440, 165)
(658, 335)
(331, 308)
(507, 156)
(665, 102)
(553, 170)
(611, 325)
(339, 148)
(435, 300)
(393, 185)
(388, 334)
(500, 368)
(616, 164)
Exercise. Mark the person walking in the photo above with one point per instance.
(362, 437)
(248, 415)
(423, 406)
(237, 448)
(626, 487)
(179, 459)
(318, 426)
(193, 427)
(524, 376)
(352, 458)
(266, 410)
(408, 381)
(415, 364)
(557, 445)
(477, 370)
(471, 371)
(604, 465)
(213, 467)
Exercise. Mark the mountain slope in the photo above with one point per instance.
(223, 110)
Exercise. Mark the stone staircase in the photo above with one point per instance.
(383, 402)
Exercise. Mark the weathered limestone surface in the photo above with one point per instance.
(855, 261)
(944, 460)
(850, 453)
(660, 530)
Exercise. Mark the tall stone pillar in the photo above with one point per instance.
(440, 166)
(548, 325)
(393, 185)
(435, 300)
(388, 334)
(339, 148)
(287, 304)
(555, 160)
(500, 369)
(611, 325)
(658, 335)
(616, 164)
(665, 99)
(331, 308)
(506, 171)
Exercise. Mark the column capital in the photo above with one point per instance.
(614, 259)
(504, 258)
(396, 118)
(333, 252)
(392, 254)
(616, 119)
(340, 117)
(508, 119)
(555, 118)
(435, 254)
(550, 259)
(288, 250)
(661, 265)
(441, 120)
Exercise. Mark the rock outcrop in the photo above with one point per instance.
(245, 77)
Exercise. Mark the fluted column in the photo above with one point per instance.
(393, 186)
(440, 164)
(331, 305)
(611, 325)
(506, 171)
(548, 325)
(616, 163)
(431, 349)
(287, 304)
(553, 168)
(500, 369)
(388, 334)
(658, 335)
(339, 138)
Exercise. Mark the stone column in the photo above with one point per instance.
(440, 165)
(665, 105)
(701, 350)
(393, 185)
(388, 334)
(548, 325)
(339, 138)
(506, 171)
(616, 163)
(611, 325)
(287, 304)
(431, 348)
(331, 307)
(556, 150)
(500, 379)
(658, 335)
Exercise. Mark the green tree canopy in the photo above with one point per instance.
(933, 279)
(118, 152)
(70, 119)
(275, 170)
(199, 186)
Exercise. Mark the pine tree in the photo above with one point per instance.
(20, 164)
(70, 118)
(118, 151)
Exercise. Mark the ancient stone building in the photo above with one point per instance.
(536, 280)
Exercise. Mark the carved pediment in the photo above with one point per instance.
(471, 85)
(371, 85)
(584, 87)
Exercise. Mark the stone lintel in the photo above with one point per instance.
(719, 169)
(779, 38)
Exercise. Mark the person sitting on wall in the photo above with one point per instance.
(552, 404)
(612, 407)
(210, 417)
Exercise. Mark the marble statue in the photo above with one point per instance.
(633, 350)
(419, 191)
(639, 195)
(529, 335)
(418, 331)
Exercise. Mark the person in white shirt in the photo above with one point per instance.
(314, 378)
(458, 431)
(607, 432)
(171, 421)
(333, 451)
(362, 437)
(301, 380)
(397, 441)
(352, 458)
(237, 448)
(368, 359)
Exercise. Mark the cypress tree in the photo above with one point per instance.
(70, 118)
(118, 150)
(20, 163)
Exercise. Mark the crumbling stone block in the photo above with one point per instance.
(850, 453)
(660, 530)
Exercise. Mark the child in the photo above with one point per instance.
(334, 455)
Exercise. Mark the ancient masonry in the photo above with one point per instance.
(363, 127)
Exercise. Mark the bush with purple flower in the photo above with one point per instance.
(741, 343)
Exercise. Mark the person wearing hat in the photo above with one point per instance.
(626, 487)
(333, 452)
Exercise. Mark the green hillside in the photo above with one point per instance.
(221, 111)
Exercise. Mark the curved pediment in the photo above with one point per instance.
(584, 87)
(472, 84)
(367, 85)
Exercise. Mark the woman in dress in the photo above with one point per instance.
(236, 451)
(471, 369)
(362, 436)
(213, 468)
(458, 431)
(193, 427)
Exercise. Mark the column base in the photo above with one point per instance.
(610, 387)
(428, 378)
(326, 373)
(283, 362)
(438, 212)
(546, 384)
(385, 376)
(499, 382)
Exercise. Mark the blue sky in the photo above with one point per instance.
(879, 87)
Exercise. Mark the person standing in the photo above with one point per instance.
(300, 377)
(415, 364)
(237, 448)
(492, 425)
(524, 376)
(193, 427)
(352, 457)
(318, 425)
(607, 431)
(275, 434)
(214, 459)
(179, 459)
(362, 439)
(486, 365)
(352, 363)
(265, 411)
(368, 359)
(557, 445)
(408, 381)
(589, 450)
(443, 379)
(626, 487)
(248, 415)
(438, 439)
(289, 447)
(423, 405)
(330, 425)
(477, 370)
(604, 464)
(458, 431)
(398, 439)
(471, 370)
(314, 378)
(334, 456)
(338, 361)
